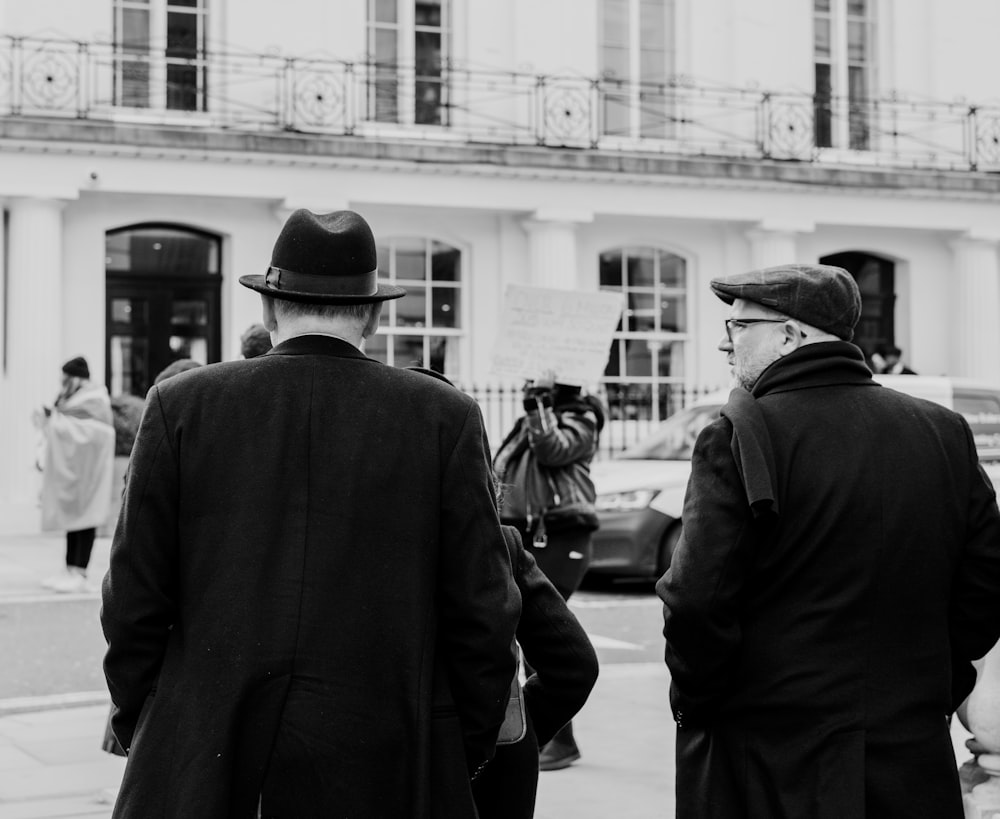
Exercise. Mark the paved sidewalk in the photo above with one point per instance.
(52, 765)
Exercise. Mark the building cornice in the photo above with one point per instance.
(455, 158)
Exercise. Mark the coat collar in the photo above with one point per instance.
(314, 344)
(815, 365)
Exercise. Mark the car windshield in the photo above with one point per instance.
(673, 440)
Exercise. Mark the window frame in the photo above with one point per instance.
(841, 119)
(402, 74)
(663, 389)
(160, 64)
(390, 330)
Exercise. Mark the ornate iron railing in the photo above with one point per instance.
(254, 92)
(629, 410)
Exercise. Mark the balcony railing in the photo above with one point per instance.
(254, 93)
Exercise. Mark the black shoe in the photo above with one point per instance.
(557, 755)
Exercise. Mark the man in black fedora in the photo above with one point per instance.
(309, 608)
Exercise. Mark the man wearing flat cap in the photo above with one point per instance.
(310, 609)
(838, 571)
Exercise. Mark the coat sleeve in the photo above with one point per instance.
(561, 438)
(556, 647)
(479, 603)
(975, 601)
(138, 593)
(702, 588)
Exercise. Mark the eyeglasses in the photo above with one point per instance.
(743, 323)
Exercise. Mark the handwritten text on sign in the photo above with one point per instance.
(566, 331)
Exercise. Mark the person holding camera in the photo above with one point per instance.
(543, 466)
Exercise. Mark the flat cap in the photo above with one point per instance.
(824, 296)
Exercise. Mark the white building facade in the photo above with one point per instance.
(151, 149)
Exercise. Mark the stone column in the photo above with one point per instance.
(34, 349)
(773, 243)
(974, 323)
(552, 247)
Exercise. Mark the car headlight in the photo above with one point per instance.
(633, 501)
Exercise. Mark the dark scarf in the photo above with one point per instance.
(824, 363)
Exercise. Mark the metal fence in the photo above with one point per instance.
(258, 92)
(629, 409)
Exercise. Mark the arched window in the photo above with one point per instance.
(646, 364)
(162, 304)
(423, 328)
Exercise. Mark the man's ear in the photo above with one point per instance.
(372, 324)
(267, 314)
(792, 338)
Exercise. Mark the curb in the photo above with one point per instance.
(53, 702)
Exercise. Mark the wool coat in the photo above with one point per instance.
(564, 670)
(78, 466)
(839, 569)
(309, 601)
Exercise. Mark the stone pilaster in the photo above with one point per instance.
(975, 319)
(34, 351)
(553, 248)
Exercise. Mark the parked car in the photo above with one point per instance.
(640, 492)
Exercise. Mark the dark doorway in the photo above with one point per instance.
(876, 278)
(163, 287)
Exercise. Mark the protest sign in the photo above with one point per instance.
(567, 332)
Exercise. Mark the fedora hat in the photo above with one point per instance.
(327, 258)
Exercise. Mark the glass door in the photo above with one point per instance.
(162, 303)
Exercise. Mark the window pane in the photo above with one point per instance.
(614, 63)
(385, 47)
(408, 351)
(615, 23)
(182, 35)
(193, 347)
(859, 7)
(821, 5)
(189, 314)
(642, 312)
(411, 259)
(375, 347)
(191, 3)
(652, 25)
(857, 42)
(135, 30)
(427, 13)
(821, 36)
(382, 260)
(611, 269)
(673, 270)
(129, 311)
(822, 111)
(444, 307)
(411, 311)
(428, 53)
(638, 361)
(158, 251)
(384, 11)
(641, 269)
(445, 262)
(672, 314)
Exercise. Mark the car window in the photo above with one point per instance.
(673, 440)
(982, 411)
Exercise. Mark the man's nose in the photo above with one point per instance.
(725, 344)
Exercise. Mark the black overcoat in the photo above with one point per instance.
(309, 593)
(819, 639)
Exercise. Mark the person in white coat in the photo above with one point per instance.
(77, 465)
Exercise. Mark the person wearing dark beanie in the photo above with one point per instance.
(77, 467)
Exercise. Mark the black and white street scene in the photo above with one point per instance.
(451, 409)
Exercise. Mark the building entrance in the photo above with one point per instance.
(163, 287)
